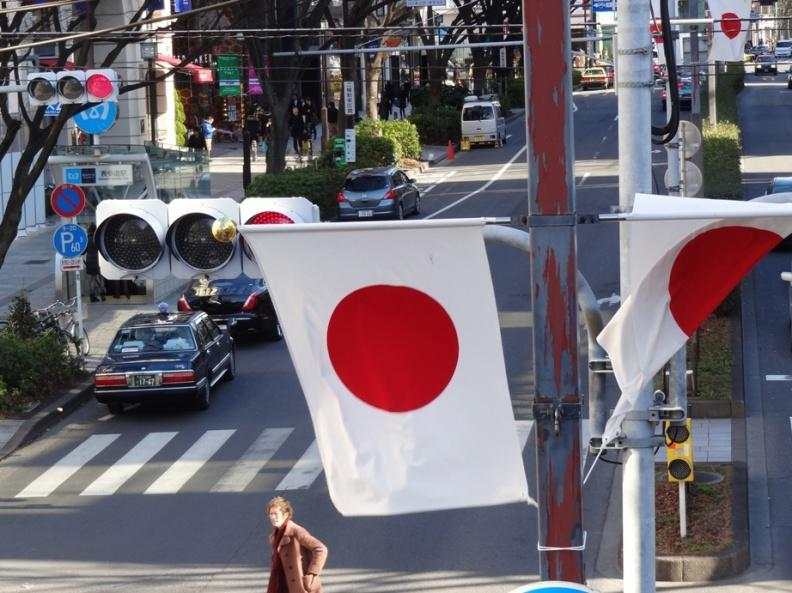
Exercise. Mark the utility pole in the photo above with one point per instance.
(635, 176)
(712, 88)
(551, 208)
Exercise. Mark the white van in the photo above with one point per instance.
(483, 121)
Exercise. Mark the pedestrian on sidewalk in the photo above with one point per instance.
(96, 285)
(297, 556)
(332, 118)
(208, 131)
(296, 130)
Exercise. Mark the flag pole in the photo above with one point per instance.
(551, 220)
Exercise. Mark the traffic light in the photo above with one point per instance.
(41, 88)
(679, 450)
(71, 87)
(101, 85)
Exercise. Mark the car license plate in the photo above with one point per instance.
(365, 213)
(479, 138)
(145, 380)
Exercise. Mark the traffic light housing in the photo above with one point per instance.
(101, 85)
(679, 450)
(42, 88)
(71, 87)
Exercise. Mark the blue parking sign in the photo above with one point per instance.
(70, 240)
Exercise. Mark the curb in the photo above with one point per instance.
(48, 416)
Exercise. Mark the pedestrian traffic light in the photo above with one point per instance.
(130, 237)
(272, 211)
(71, 87)
(679, 450)
(101, 85)
(41, 89)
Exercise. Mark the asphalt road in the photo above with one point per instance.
(170, 500)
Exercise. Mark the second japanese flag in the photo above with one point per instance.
(729, 29)
(393, 331)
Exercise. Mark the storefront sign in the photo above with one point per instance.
(254, 86)
(228, 75)
(349, 97)
(99, 175)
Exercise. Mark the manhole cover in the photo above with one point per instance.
(35, 262)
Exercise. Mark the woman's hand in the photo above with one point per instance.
(308, 581)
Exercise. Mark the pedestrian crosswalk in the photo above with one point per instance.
(108, 464)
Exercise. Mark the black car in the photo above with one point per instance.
(160, 357)
(241, 304)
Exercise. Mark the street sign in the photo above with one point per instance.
(228, 75)
(99, 175)
(53, 110)
(148, 50)
(503, 57)
(349, 97)
(604, 5)
(70, 240)
(67, 200)
(98, 119)
(71, 264)
(350, 145)
(552, 587)
(422, 3)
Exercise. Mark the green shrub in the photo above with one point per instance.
(515, 92)
(437, 125)
(419, 98)
(405, 136)
(181, 119)
(577, 77)
(453, 96)
(368, 127)
(320, 185)
(722, 150)
(375, 151)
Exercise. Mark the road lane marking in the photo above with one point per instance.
(126, 467)
(188, 464)
(445, 177)
(583, 179)
(498, 175)
(778, 377)
(304, 472)
(56, 475)
(242, 473)
(105, 418)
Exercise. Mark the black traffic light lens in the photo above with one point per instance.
(191, 240)
(679, 469)
(677, 433)
(129, 242)
(41, 89)
(70, 88)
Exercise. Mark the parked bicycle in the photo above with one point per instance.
(59, 318)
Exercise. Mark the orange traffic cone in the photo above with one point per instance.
(450, 151)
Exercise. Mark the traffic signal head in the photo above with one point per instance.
(71, 87)
(679, 451)
(41, 89)
(101, 85)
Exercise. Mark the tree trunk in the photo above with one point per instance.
(373, 74)
(436, 74)
(279, 140)
(348, 73)
(480, 63)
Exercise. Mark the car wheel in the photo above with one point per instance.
(115, 408)
(417, 204)
(203, 398)
(400, 211)
(230, 373)
(275, 333)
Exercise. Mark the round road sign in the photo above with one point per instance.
(552, 587)
(70, 240)
(68, 200)
(97, 119)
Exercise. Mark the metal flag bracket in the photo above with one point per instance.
(579, 548)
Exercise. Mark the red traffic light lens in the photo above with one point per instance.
(99, 85)
(269, 218)
(41, 89)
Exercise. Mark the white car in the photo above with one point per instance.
(783, 49)
(483, 122)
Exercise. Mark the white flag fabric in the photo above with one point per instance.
(393, 331)
(728, 39)
(680, 271)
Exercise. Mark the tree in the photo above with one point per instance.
(75, 36)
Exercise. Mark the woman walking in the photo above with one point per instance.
(297, 556)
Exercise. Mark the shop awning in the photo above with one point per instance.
(200, 74)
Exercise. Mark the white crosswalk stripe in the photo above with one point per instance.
(304, 472)
(256, 457)
(188, 464)
(56, 475)
(128, 465)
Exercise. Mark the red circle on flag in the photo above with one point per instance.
(709, 266)
(731, 25)
(394, 347)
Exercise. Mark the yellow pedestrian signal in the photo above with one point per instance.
(679, 450)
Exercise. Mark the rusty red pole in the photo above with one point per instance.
(551, 207)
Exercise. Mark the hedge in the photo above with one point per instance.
(320, 185)
(577, 77)
(437, 125)
(515, 92)
(722, 150)
(452, 96)
(402, 133)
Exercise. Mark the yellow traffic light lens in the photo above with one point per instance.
(679, 469)
(677, 433)
(41, 89)
(70, 88)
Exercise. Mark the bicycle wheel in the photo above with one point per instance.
(85, 344)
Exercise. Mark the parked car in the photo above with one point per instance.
(766, 64)
(379, 192)
(789, 80)
(685, 87)
(783, 49)
(781, 188)
(594, 77)
(242, 305)
(483, 121)
(162, 357)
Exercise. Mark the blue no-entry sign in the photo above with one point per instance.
(70, 240)
(98, 119)
(552, 587)
(68, 200)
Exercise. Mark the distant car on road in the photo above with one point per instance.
(593, 78)
(378, 192)
(783, 49)
(482, 121)
(241, 304)
(685, 87)
(766, 64)
(163, 357)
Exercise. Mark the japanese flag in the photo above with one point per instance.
(729, 29)
(680, 269)
(393, 331)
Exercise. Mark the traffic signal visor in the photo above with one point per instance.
(679, 451)
(41, 89)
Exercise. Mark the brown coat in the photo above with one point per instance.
(301, 553)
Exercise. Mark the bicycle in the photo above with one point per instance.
(59, 319)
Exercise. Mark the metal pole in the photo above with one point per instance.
(682, 509)
(635, 175)
(246, 172)
(551, 207)
(78, 290)
(712, 87)
(152, 101)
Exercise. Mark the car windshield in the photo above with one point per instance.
(366, 183)
(477, 113)
(594, 72)
(765, 58)
(239, 286)
(786, 43)
(781, 185)
(153, 338)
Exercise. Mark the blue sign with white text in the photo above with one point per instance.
(182, 5)
(53, 110)
(70, 240)
(603, 5)
(98, 119)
